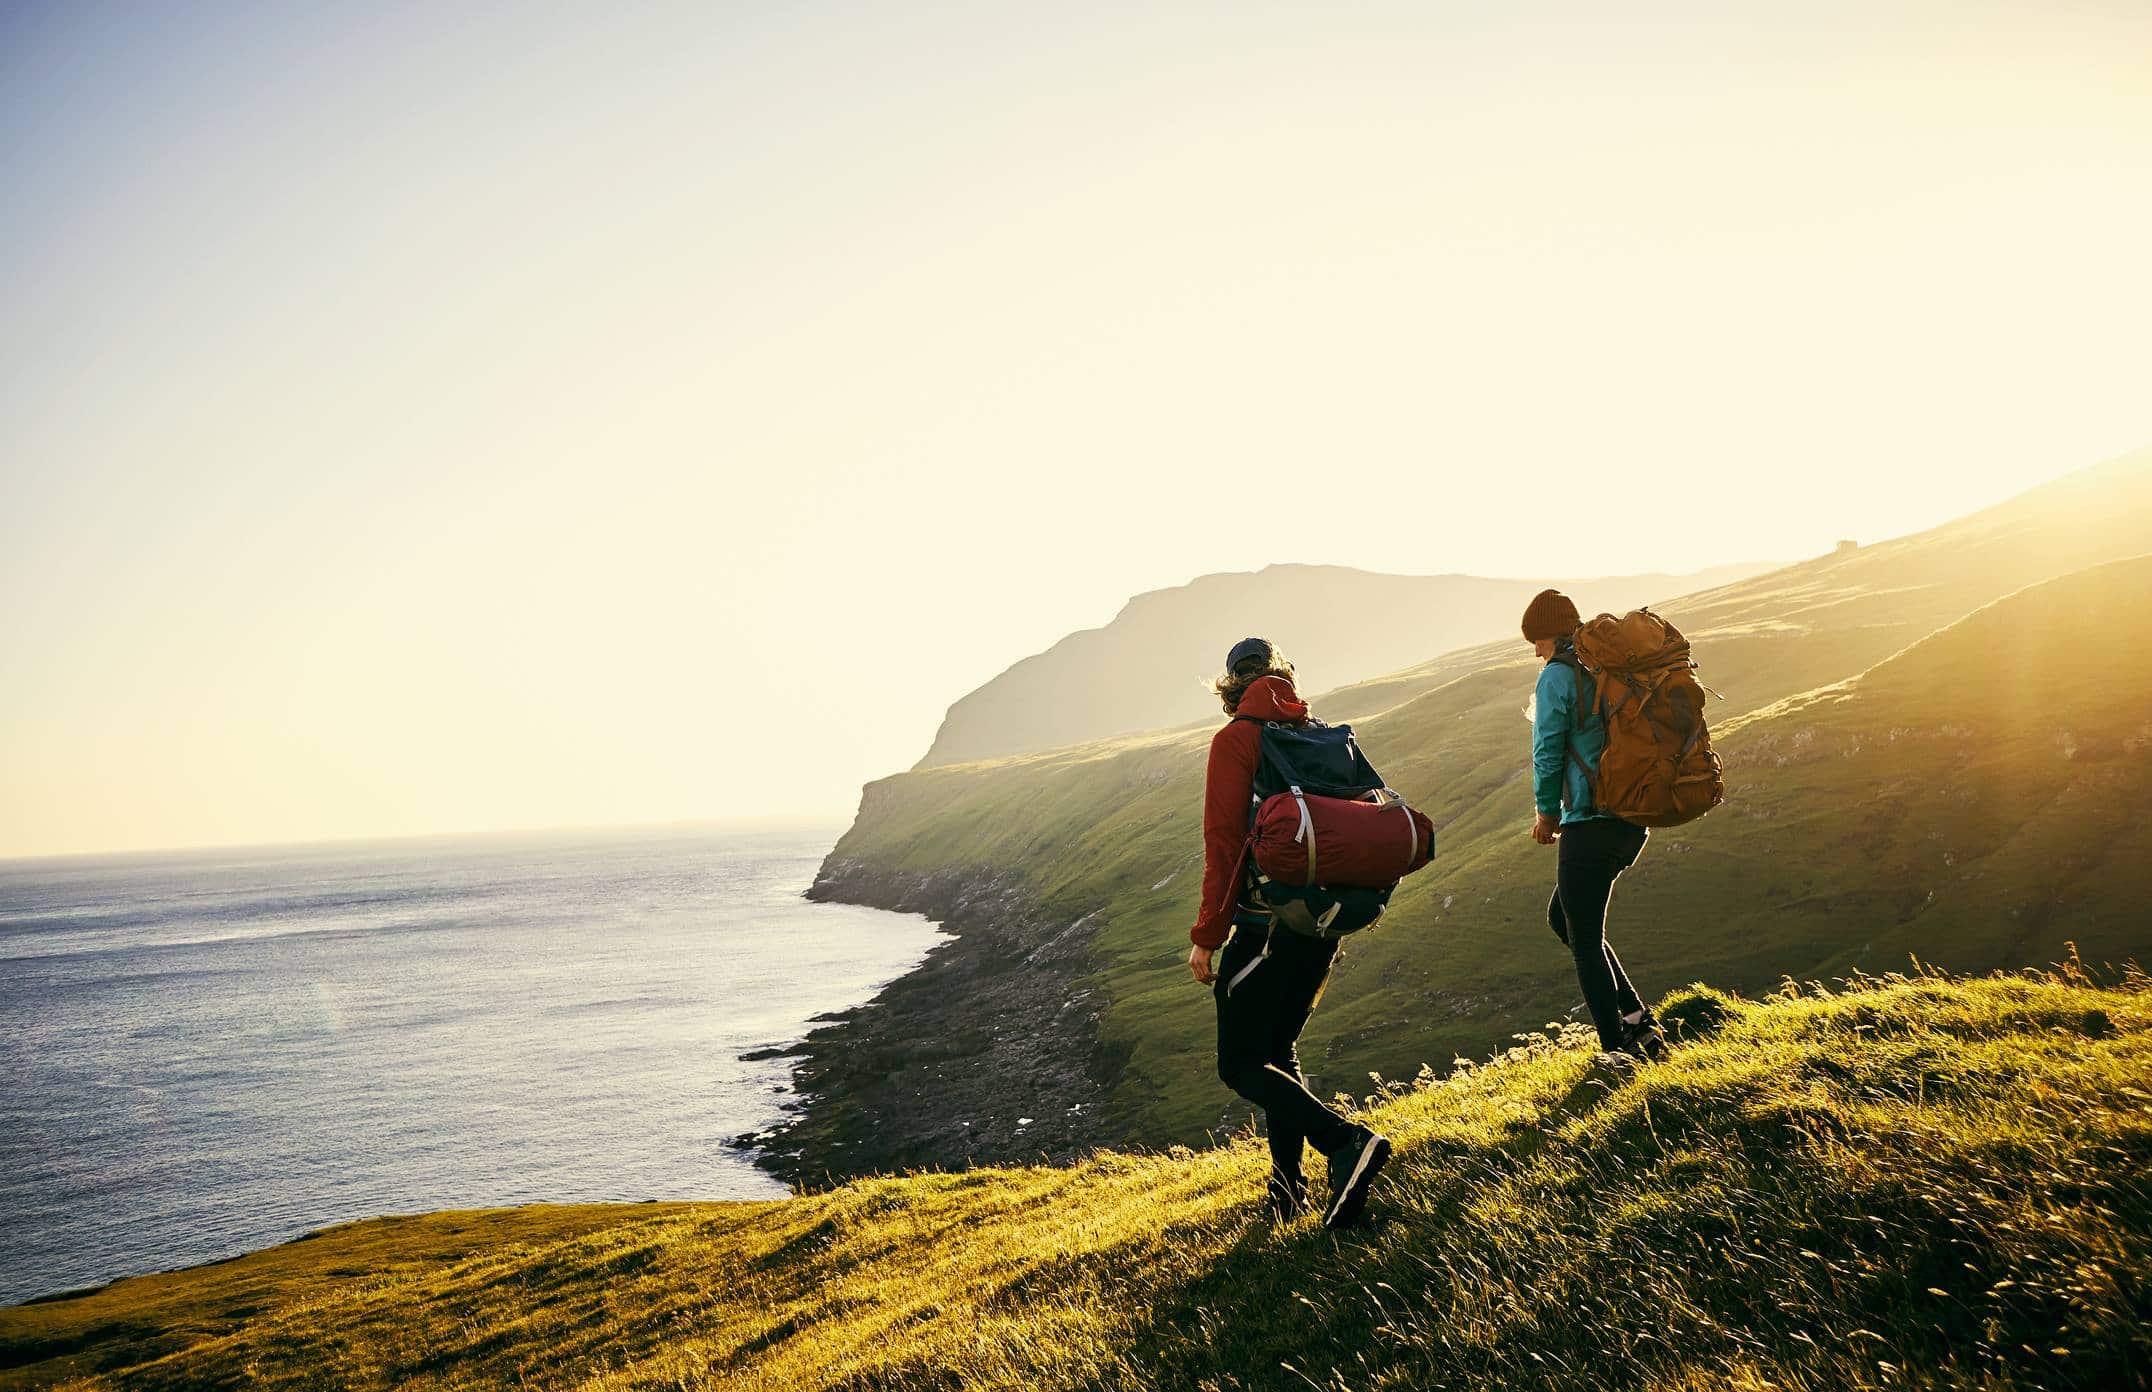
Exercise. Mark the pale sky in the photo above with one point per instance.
(426, 417)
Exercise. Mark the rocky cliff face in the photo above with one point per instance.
(986, 1053)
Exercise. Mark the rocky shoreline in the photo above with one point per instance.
(986, 1053)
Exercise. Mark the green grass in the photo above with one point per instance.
(1934, 746)
(1907, 1182)
(143, 1317)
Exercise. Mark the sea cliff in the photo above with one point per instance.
(987, 1053)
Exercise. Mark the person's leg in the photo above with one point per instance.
(1625, 997)
(1287, 1146)
(1559, 922)
(1355, 1154)
(1243, 1039)
(1624, 993)
(1307, 967)
(1627, 848)
(1255, 990)
(1588, 859)
(1286, 1101)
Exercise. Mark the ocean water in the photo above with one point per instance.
(206, 1053)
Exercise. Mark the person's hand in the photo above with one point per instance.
(1199, 963)
(1544, 829)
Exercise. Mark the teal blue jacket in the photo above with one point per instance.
(1561, 715)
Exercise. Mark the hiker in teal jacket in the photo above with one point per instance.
(1563, 718)
(1568, 736)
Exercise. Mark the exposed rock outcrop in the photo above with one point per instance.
(987, 1052)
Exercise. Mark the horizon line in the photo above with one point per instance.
(12, 860)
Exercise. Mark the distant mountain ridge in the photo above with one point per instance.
(1147, 668)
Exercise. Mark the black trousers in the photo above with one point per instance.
(1591, 856)
(1268, 983)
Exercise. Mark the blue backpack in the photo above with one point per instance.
(1324, 761)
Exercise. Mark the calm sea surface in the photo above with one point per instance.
(206, 1053)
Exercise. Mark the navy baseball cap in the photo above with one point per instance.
(1248, 650)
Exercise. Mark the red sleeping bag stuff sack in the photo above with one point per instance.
(1302, 839)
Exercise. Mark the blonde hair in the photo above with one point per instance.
(1230, 687)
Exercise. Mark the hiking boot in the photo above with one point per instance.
(1285, 1197)
(1353, 1167)
(1644, 1040)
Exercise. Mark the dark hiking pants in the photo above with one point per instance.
(1268, 982)
(1591, 855)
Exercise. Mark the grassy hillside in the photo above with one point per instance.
(1905, 1183)
(144, 1318)
(1896, 784)
(1146, 669)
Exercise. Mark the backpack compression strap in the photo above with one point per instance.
(1307, 830)
(1391, 797)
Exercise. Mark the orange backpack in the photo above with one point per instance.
(1658, 769)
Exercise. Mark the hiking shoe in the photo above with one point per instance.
(1353, 1167)
(1644, 1040)
(1285, 1197)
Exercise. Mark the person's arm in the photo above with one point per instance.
(1552, 704)
(1228, 785)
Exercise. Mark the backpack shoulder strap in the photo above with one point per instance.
(1588, 700)
(1587, 684)
(1266, 768)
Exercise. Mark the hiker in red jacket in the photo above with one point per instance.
(1266, 979)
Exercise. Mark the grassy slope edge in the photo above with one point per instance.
(1906, 1183)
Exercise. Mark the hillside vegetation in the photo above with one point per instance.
(143, 1318)
(1909, 1182)
(1146, 669)
(1904, 775)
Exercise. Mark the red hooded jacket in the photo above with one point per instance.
(1228, 793)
